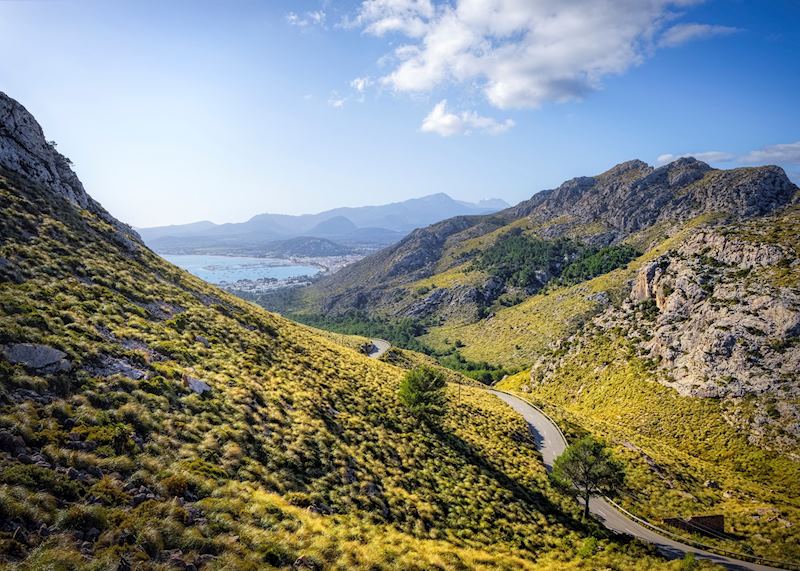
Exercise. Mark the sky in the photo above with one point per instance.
(179, 111)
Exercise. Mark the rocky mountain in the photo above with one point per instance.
(362, 227)
(149, 420)
(598, 211)
(24, 150)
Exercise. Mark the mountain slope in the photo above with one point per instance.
(149, 420)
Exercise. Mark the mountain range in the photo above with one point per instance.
(345, 229)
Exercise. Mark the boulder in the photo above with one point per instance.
(197, 386)
(108, 366)
(37, 357)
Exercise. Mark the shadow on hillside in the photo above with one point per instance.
(535, 498)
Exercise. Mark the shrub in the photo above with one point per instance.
(588, 548)
(109, 492)
(422, 391)
(83, 517)
(175, 485)
(39, 478)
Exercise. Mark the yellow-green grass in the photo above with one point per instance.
(515, 336)
(673, 446)
(461, 274)
(294, 423)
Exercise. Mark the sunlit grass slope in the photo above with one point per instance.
(299, 454)
(683, 458)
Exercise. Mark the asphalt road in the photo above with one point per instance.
(379, 347)
(551, 443)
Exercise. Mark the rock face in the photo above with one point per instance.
(717, 317)
(458, 302)
(25, 151)
(633, 195)
(725, 324)
(717, 332)
(108, 366)
(42, 358)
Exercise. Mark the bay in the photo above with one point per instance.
(219, 269)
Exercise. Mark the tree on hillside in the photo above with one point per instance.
(586, 468)
(422, 391)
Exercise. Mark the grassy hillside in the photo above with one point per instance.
(683, 458)
(517, 335)
(298, 454)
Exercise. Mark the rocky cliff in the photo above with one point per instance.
(719, 317)
(633, 195)
(25, 152)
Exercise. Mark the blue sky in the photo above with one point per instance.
(180, 111)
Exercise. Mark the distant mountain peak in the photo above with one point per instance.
(370, 226)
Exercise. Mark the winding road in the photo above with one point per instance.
(379, 347)
(550, 442)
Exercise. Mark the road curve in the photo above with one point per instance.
(379, 347)
(550, 442)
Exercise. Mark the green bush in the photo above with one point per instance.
(83, 517)
(422, 391)
(39, 478)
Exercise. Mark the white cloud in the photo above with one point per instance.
(444, 123)
(307, 19)
(336, 101)
(409, 17)
(360, 84)
(521, 53)
(786, 153)
(705, 156)
(682, 33)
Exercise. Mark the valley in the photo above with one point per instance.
(669, 328)
(149, 419)
(400, 285)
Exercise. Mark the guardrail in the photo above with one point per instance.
(643, 522)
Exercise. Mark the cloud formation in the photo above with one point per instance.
(445, 123)
(682, 33)
(523, 53)
(360, 84)
(705, 156)
(786, 154)
(307, 19)
(336, 101)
